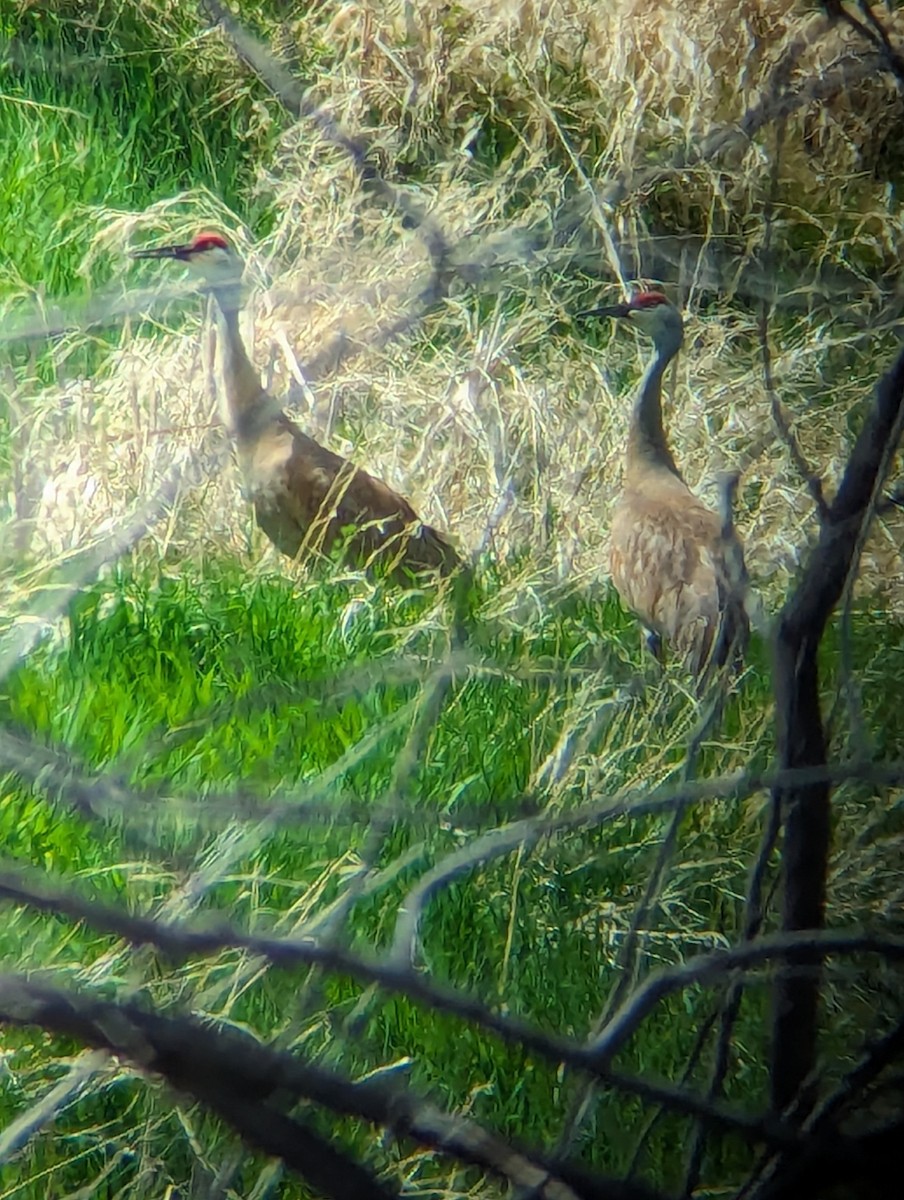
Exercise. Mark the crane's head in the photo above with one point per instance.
(650, 312)
(208, 255)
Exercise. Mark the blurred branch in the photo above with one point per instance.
(778, 100)
(309, 1155)
(284, 87)
(690, 1066)
(337, 350)
(657, 256)
(843, 1165)
(795, 949)
(494, 844)
(15, 1135)
(800, 733)
(279, 80)
(103, 794)
(178, 942)
(106, 308)
(506, 839)
(247, 1083)
(873, 1061)
(231, 1074)
(786, 1174)
(871, 30)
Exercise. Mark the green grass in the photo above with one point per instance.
(108, 111)
(209, 684)
(116, 111)
(216, 661)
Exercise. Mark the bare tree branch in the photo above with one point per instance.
(784, 1174)
(280, 82)
(594, 1056)
(244, 1081)
(495, 844)
(795, 949)
(303, 1151)
(105, 795)
(801, 736)
(15, 1135)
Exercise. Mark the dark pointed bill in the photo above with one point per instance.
(163, 252)
(608, 310)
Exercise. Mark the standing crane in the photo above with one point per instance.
(675, 562)
(305, 497)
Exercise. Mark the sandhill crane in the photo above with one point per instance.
(305, 497)
(674, 561)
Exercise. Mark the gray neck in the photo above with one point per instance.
(229, 317)
(229, 300)
(245, 397)
(647, 445)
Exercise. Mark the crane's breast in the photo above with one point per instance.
(663, 561)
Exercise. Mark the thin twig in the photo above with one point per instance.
(789, 948)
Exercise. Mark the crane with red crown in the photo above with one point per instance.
(678, 564)
(305, 497)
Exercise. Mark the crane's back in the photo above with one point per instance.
(307, 499)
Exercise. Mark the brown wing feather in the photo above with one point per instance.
(305, 497)
(668, 564)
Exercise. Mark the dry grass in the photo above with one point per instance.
(502, 106)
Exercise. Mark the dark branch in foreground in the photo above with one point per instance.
(801, 740)
(825, 1156)
(249, 1084)
(872, 31)
(594, 1057)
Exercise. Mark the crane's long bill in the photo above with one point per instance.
(163, 252)
(609, 310)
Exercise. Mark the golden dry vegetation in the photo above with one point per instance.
(558, 146)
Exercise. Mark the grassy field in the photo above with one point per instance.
(206, 690)
(212, 681)
(191, 687)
